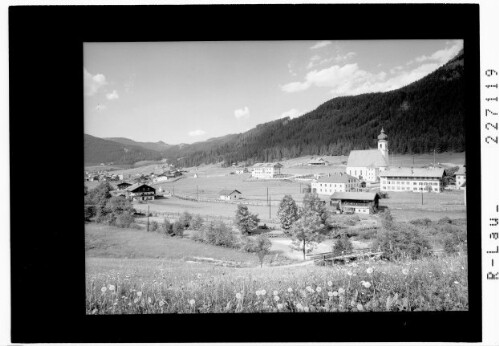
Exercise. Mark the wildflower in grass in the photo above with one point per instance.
(462, 268)
(280, 306)
(276, 298)
(360, 307)
(94, 311)
(161, 303)
(238, 295)
(318, 289)
(139, 294)
(257, 293)
(335, 294)
(349, 273)
(330, 283)
(149, 300)
(330, 294)
(405, 271)
(136, 300)
(103, 289)
(115, 303)
(276, 293)
(199, 276)
(111, 287)
(130, 304)
(306, 309)
(366, 284)
(457, 283)
(299, 307)
(354, 265)
(310, 289)
(290, 290)
(263, 292)
(123, 297)
(369, 270)
(192, 302)
(341, 290)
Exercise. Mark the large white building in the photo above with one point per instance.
(412, 179)
(340, 182)
(460, 177)
(367, 164)
(266, 170)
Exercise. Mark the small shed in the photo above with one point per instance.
(230, 195)
(355, 202)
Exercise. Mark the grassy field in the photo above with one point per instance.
(143, 286)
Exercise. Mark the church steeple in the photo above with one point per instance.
(383, 144)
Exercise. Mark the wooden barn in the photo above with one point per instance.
(230, 195)
(355, 202)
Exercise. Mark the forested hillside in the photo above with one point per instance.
(98, 150)
(425, 115)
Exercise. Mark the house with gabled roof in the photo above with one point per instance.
(412, 179)
(339, 182)
(230, 195)
(318, 162)
(367, 164)
(266, 170)
(141, 192)
(355, 202)
(460, 177)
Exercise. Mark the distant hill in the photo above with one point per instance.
(425, 115)
(98, 150)
(157, 146)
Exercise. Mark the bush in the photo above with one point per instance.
(402, 241)
(197, 223)
(218, 233)
(166, 227)
(124, 220)
(368, 234)
(342, 246)
(450, 244)
(248, 244)
(153, 227)
(177, 229)
(445, 220)
(185, 219)
(421, 222)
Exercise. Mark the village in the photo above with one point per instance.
(356, 188)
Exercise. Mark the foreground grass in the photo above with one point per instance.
(149, 286)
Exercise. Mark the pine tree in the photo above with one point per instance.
(246, 221)
(287, 212)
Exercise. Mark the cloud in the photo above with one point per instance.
(443, 55)
(196, 133)
(242, 113)
(292, 113)
(349, 79)
(92, 83)
(321, 44)
(113, 95)
(316, 60)
(290, 69)
(100, 108)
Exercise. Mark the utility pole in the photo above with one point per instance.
(197, 192)
(147, 216)
(421, 197)
(433, 158)
(300, 187)
(270, 208)
(413, 159)
(267, 196)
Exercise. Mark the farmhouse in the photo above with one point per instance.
(141, 192)
(460, 177)
(266, 170)
(355, 202)
(340, 182)
(367, 164)
(318, 162)
(412, 179)
(230, 195)
(124, 185)
(242, 170)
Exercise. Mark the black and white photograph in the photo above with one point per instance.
(275, 176)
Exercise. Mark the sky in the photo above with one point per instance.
(185, 92)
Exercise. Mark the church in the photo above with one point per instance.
(367, 164)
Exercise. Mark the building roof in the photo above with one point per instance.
(461, 171)
(366, 158)
(337, 178)
(413, 172)
(364, 196)
(228, 192)
(135, 186)
(267, 164)
(382, 135)
(319, 160)
(124, 183)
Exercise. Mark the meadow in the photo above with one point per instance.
(131, 271)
